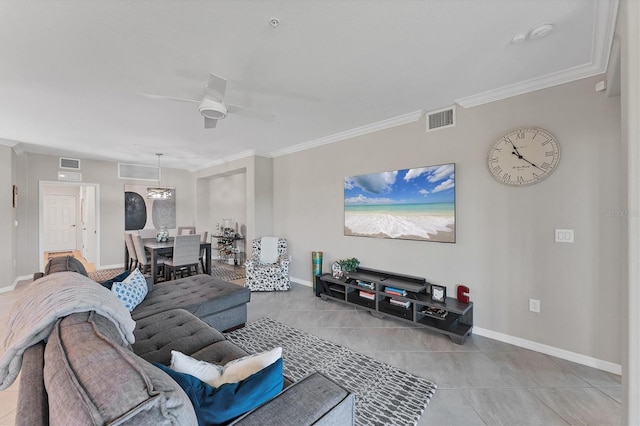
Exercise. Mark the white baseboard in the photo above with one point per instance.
(301, 281)
(15, 283)
(8, 288)
(550, 350)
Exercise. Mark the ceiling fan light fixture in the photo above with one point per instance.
(213, 109)
(540, 31)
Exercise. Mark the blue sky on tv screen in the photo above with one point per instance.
(432, 184)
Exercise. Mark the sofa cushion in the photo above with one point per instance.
(132, 290)
(156, 335)
(201, 295)
(215, 406)
(92, 379)
(220, 353)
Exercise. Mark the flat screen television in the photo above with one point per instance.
(410, 204)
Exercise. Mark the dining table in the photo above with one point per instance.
(165, 248)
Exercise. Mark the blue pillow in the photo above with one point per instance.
(216, 406)
(132, 290)
(109, 283)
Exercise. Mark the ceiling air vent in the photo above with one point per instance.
(441, 119)
(69, 163)
(137, 172)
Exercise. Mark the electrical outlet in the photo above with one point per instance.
(534, 305)
(564, 235)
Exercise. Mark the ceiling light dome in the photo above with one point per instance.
(540, 31)
(213, 109)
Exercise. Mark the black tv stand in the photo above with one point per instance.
(367, 288)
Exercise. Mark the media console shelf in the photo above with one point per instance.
(405, 297)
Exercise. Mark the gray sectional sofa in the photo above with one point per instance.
(84, 373)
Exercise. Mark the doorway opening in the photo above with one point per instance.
(69, 219)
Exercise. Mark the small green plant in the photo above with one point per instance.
(349, 265)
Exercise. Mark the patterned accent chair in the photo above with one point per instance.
(268, 276)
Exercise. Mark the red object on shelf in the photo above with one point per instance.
(463, 293)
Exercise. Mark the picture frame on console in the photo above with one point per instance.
(438, 293)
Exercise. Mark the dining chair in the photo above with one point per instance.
(133, 257)
(186, 230)
(203, 239)
(144, 258)
(186, 253)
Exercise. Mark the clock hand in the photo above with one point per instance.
(516, 149)
(522, 158)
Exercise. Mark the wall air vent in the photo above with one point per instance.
(69, 163)
(138, 172)
(69, 176)
(441, 119)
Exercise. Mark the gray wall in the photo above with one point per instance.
(505, 250)
(33, 168)
(7, 217)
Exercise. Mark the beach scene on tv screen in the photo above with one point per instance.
(410, 204)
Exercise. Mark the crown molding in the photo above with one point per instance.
(228, 159)
(9, 142)
(603, 34)
(358, 131)
(235, 157)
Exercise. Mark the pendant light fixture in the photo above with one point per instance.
(159, 193)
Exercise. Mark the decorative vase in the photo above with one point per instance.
(316, 262)
(163, 235)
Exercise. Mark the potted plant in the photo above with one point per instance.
(349, 265)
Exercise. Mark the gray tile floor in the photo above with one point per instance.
(481, 382)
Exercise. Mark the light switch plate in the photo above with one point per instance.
(564, 235)
(534, 305)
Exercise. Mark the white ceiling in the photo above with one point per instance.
(71, 71)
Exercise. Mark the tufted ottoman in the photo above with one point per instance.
(156, 335)
(221, 304)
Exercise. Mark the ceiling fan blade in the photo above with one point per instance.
(171, 98)
(249, 112)
(216, 87)
(210, 123)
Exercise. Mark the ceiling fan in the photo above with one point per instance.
(212, 105)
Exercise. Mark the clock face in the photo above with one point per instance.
(524, 157)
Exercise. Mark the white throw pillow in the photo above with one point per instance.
(233, 372)
(202, 370)
(241, 368)
(132, 290)
(269, 250)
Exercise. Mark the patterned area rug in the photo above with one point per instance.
(105, 274)
(384, 394)
(227, 274)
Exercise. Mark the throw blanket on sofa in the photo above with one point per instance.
(45, 301)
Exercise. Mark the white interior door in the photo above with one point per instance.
(60, 227)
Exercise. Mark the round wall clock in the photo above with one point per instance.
(523, 157)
